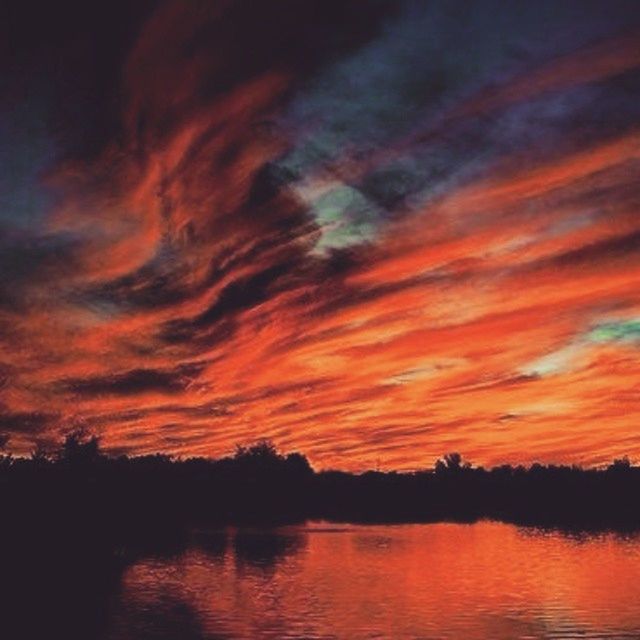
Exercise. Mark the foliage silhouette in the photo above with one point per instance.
(80, 448)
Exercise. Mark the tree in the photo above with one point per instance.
(262, 450)
(298, 463)
(620, 465)
(451, 463)
(80, 448)
(41, 454)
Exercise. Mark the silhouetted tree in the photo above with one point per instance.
(298, 464)
(41, 454)
(261, 450)
(79, 448)
(620, 465)
(451, 463)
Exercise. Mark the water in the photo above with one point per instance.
(481, 581)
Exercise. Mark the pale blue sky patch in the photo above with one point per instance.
(344, 215)
(627, 331)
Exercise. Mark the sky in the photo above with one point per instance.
(372, 231)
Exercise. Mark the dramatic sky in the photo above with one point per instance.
(373, 231)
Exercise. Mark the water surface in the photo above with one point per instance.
(481, 581)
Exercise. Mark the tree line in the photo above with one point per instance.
(131, 496)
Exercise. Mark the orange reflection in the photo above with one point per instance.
(443, 581)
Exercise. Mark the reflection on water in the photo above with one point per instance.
(481, 581)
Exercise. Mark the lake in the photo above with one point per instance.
(480, 581)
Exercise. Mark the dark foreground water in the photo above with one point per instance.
(481, 581)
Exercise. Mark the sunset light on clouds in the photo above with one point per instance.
(371, 232)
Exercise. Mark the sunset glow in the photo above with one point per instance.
(370, 236)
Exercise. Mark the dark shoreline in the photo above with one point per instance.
(129, 497)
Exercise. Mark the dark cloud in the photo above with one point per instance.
(64, 60)
(600, 252)
(134, 382)
(29, 261)
(26, 421)
(218, 322)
